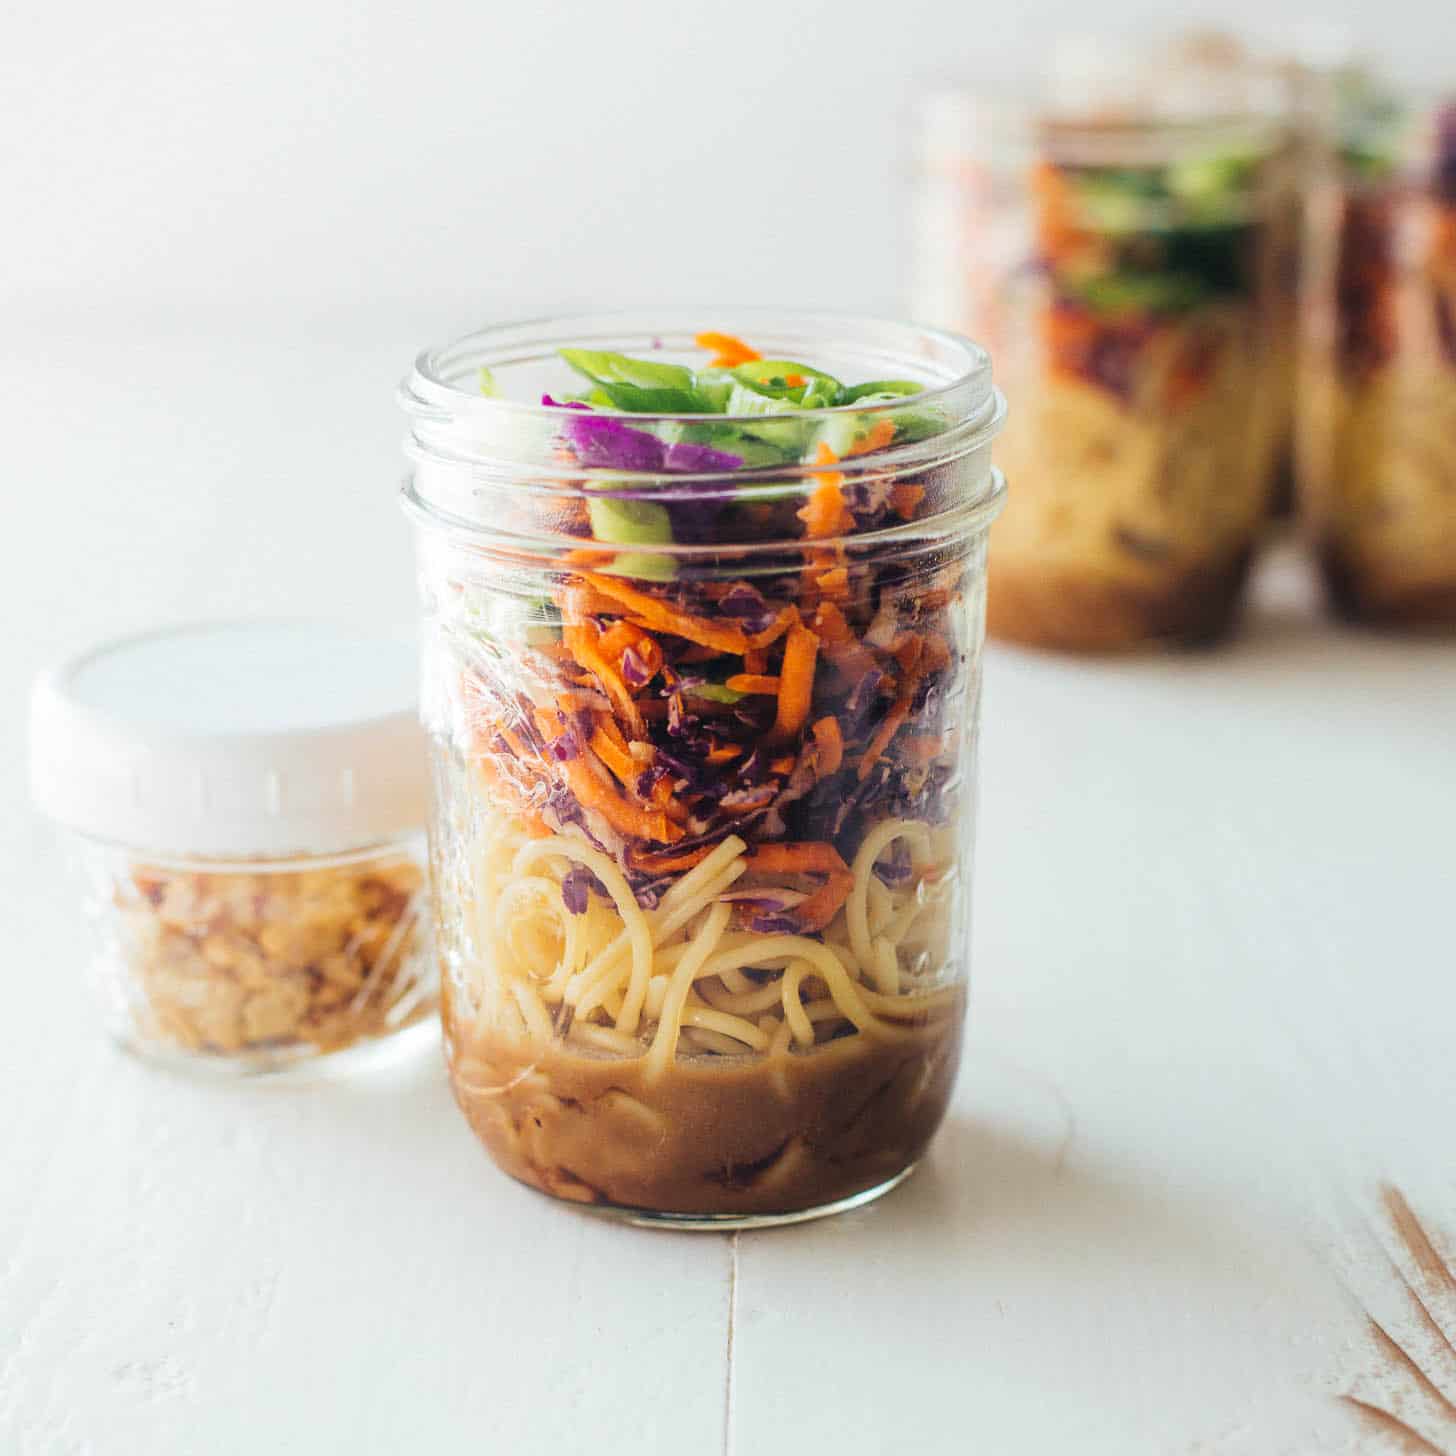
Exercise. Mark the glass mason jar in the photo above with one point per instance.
(702, 692)
(1126, 275)
(1378, 432)
(243, 807)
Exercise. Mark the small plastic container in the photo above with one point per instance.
(245, 804)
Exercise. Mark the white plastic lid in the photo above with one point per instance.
(246, 739)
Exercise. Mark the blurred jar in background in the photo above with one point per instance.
(1378, 421)
(1117, 245)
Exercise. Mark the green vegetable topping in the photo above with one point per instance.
(630, 522)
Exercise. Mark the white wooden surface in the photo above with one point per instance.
(1215, 995)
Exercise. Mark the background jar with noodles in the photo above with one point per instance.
(1378, 421)
(1120, 262)
(704, 786)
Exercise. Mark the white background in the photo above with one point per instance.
(466, 160)
(1213, 966)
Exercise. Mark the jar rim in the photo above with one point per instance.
(483, 464)
(985, 124)
(432, 387)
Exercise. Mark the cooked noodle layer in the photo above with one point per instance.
(679, 979)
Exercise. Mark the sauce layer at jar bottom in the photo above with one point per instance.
(710, 1135)
(1060, 607)
(1386, 598)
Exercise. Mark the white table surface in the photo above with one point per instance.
(1213, 1014)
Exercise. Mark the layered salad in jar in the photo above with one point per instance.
(1382, 422)
(1148, 415)
(703, 706)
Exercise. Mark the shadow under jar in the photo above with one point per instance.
(702, 690)
(1378, 427)
(1123, 272)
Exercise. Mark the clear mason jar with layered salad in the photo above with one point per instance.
(703, 620)
(1378, 426)
(1124, 269)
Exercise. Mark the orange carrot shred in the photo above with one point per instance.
(829, 623)
(811, 857)
(584, 642)
(667, 863)
(908, 647)
(880, 435)
(796, 683)
(728, 352)
(661, 616)
(587, 555)
(783, 766)
(830, 743)
(753, 683)
(899, 711)
(724, 753)
(614, 756)
(755, 660)
(936, 657)
(905, 500)
(794, 380)
(834, 583)
(787, 618)
(593, 790)
(824, 514)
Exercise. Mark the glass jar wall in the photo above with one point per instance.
(702, 689)
(1378, 430)
(1126, 274)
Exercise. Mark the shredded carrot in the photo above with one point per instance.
(815, 858)
(580, 601)
(594, 791)
(907, 650)
(834, 583)
(783, 766)
(829, 623)
(787, 618)
(665, 863)
(622, 636)
(824, 514)
(587, 555)
(661, 616)
(584, 641)
(755, 660)
(724, 753)
(811, 856)
(614, 756)
(628, 760)
(905, 500)
(852, 660)
(753, 683)
(796, 683)
(880, 435)
(727, 351)
(936, 657)
(830, 743)
(794, 380)
(899, 711)
(607, 725)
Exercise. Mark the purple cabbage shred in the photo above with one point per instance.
(577, 886)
